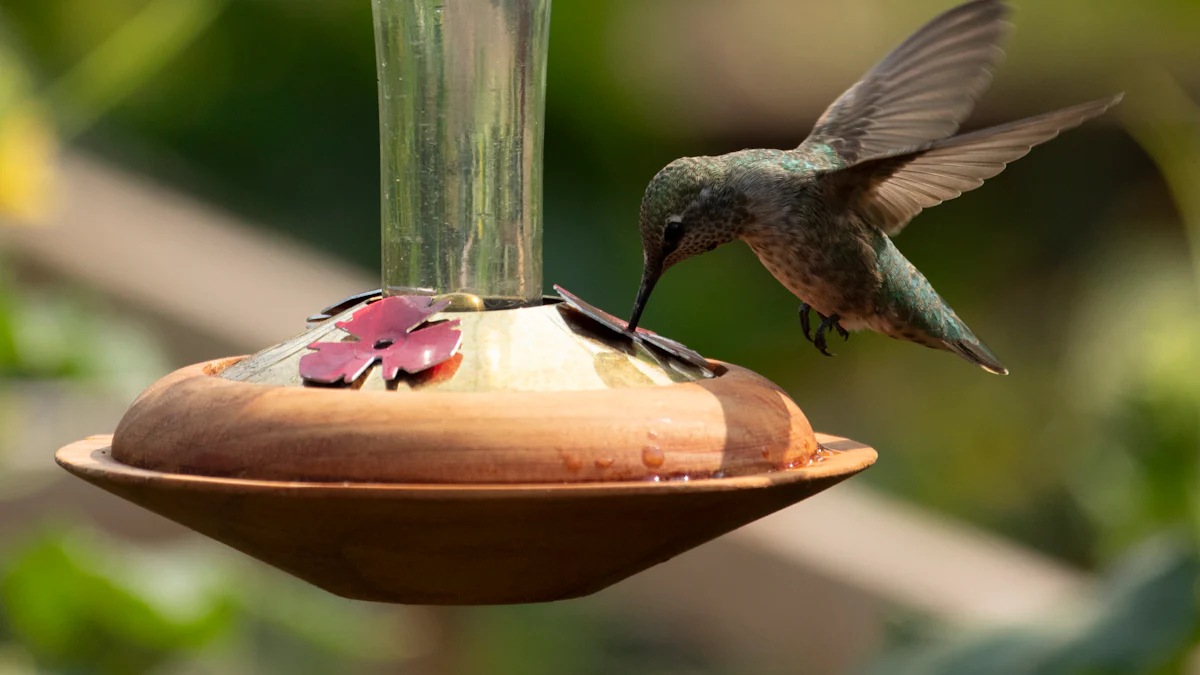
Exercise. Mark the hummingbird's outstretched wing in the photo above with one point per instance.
(890, 191)
(921, 91)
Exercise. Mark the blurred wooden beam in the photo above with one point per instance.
(916, 558)
(187, 262)
(810, 589)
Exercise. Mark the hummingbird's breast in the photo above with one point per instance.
(824, 259)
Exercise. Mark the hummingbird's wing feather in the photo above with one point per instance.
(890, 191)
(920, 92)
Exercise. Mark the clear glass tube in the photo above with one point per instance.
(461, 103)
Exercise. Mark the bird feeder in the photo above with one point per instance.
(456, 437)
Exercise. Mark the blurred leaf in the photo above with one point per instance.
(1142, 620)
(337, 628)
(120, 65)
(8, 316)
(1137, 399)
(66, 608)
(80, 603)
(1165, 410)
(1166, 122)
(28, 147)
(129, 58)
(555, 640)
(28, 150)
(58, 332)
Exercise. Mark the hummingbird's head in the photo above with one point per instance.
(686, 211)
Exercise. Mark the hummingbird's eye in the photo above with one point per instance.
(672, 235)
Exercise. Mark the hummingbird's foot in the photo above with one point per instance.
(841, 331)
(804, 325)
(828, 322)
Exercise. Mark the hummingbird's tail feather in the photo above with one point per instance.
(971, 349)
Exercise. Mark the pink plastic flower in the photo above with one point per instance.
(389, 331)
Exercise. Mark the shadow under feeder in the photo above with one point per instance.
(551, 456)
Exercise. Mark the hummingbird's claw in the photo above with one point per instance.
(828, 322)
(804, 325)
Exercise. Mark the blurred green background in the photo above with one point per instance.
(1080, 266)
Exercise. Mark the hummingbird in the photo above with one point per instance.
(821, 217)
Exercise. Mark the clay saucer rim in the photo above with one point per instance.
(91, 459)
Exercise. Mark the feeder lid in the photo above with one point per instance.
(556, 347)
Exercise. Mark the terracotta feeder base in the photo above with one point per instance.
(550, 458)
(462, 544)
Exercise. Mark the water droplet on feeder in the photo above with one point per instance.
(652, 456)
(604, 463)
(572, 462)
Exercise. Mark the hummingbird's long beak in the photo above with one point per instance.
(650, 274)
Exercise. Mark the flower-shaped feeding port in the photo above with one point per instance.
(513, 448)
(389, 331)
(654, 340)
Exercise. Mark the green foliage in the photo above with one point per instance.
(553, 640)
(120, 58)
(1143, 622)
(73, 612)
(53, 333)
(75, 602)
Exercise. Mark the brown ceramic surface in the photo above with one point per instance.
(194, 422)
(463, 544)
